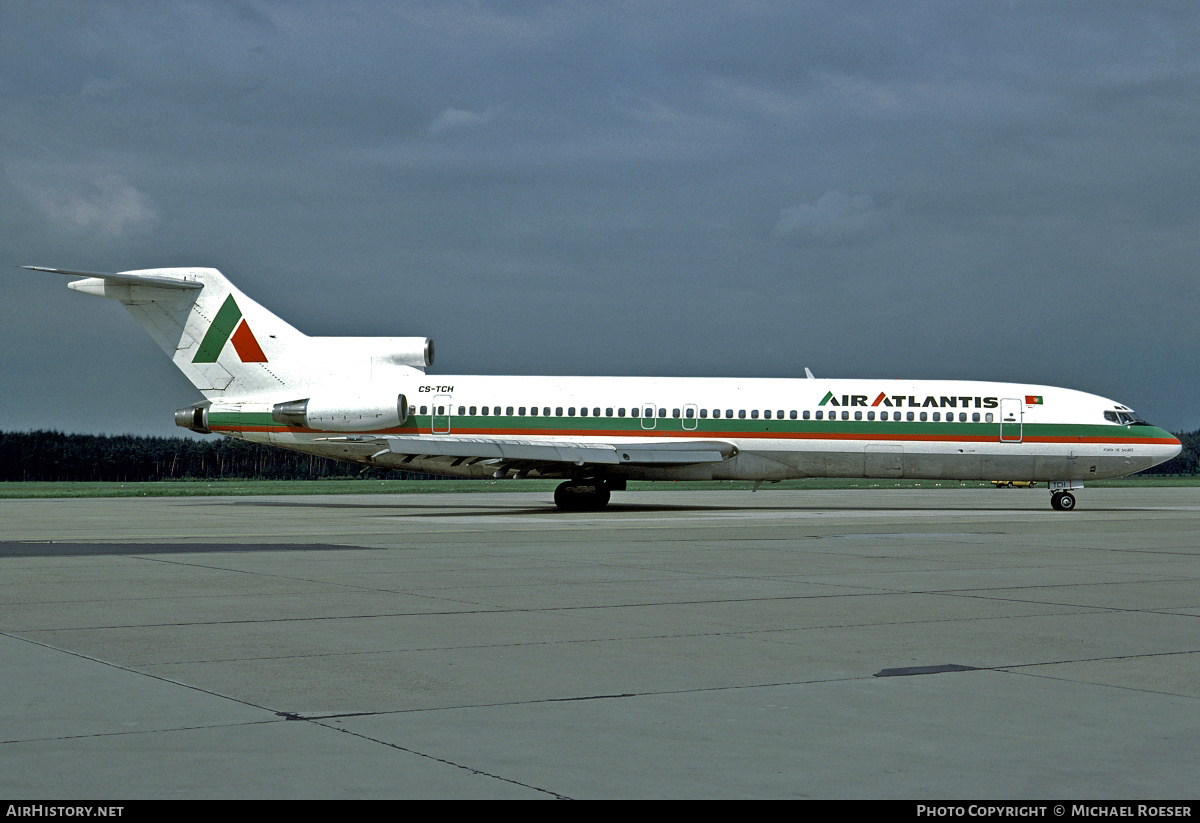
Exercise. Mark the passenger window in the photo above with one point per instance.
(975, 417)
(704, 413)
(767, 414)
(484, 411)
(462, 410)
(472, 410)
(583, 412)
(608, 413)
(546, 411)
(424, 410)
(820, 415)
(728, 413)
(674, 412)
(509, 411)
(924, 417)
(558, 411)
(792, 414)
(988, 417)
(596, 411)
(845, 415)
(858, 415)
(909, 417)
(937, 416)
(883, 415)
(870, 415)
(441, 410)
(621, 412)
(806, 415)
(533, 411)
(571, 411)
(754, 414)
(635, 412)
(689, 412)
(663, 413)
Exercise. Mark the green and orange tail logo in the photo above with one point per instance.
(229, 325)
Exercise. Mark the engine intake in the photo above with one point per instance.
(343, 413)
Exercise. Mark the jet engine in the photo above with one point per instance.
(194, 417)
(343, 412)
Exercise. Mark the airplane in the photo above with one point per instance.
(370, 400)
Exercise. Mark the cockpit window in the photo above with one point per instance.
(1127, 417)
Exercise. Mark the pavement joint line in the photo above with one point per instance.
(751, 634)
(497, 610)
(972, 594)
(131, 732)
(1019, 670)
(996, 669)
(279, 717)
(405, 749)
(130, 670)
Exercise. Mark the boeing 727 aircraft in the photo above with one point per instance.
(369, 400)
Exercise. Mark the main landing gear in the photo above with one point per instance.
(1062, 501)
(587, 495)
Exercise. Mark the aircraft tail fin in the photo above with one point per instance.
(225, 343)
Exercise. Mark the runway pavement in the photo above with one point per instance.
(898, 644)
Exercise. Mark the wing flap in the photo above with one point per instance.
(679, 453)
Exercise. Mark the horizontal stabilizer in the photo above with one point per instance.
(156, 281)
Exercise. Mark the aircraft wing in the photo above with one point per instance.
(516, 453)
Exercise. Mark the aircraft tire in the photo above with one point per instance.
(1062, 501)
(582, 497)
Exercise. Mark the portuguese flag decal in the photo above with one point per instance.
(1033, 400)
(229, 325)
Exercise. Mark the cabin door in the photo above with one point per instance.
(441, 414)
(1011, 422)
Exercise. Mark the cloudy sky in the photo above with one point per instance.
(997, 191)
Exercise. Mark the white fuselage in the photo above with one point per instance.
(780, 428)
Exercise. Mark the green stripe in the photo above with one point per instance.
(218, 333)
(734, 427)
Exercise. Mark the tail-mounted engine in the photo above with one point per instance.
(194, 417)
(344, 413)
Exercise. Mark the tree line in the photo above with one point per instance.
(56, 457)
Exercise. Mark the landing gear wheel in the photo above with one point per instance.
(1062, 501)
(582, 495)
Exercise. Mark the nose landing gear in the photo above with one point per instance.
(1062, 501)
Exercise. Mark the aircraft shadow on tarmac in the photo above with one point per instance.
(459, 509)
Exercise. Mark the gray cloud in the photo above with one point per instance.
(457, 120)
(97, 203)
(834, 217)
(590, 188)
